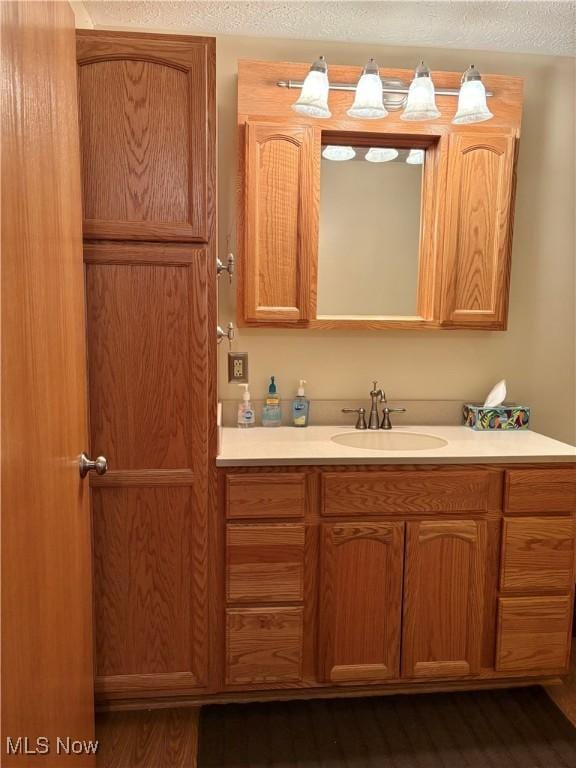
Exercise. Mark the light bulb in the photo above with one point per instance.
(421, 101)
(368, 99)
(415, 157)
(336, 152)
(381, 154)
(472, 107)
(313, 99)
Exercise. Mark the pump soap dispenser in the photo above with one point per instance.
(271, 411)
(246, 416)
(300, 407)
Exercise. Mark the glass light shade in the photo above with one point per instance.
(381, 154)
(421, 101)
(368, 98)
(415, 157)
(472, 107)
(335, 152)
(313, 99)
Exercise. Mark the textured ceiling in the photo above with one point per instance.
(525, 26)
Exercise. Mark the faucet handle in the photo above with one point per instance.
(361, 421)
(386, 423)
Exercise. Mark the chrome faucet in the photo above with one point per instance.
(376, 395)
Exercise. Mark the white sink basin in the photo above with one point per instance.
(390, 441)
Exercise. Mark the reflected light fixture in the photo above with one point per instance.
(415, 157)
(472, 107)
(313, 99)
(336, 152)
(381, 154)
(368, 99)
(421, 101)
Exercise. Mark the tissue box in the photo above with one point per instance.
(506, 416)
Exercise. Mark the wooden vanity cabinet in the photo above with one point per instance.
(403, 576)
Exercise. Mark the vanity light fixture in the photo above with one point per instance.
(313, 100)
(421, 102)
(368, 101)
(375, 97)
(336, 152)
(381, 154)
(415, 157)
(472, 107)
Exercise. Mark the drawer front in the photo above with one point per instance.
(266, 494)
(540, 490)
(265, 563)
(376, 493)
(264, 645)
(533, 634)
(537, 554)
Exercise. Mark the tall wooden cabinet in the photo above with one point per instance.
(147, 121)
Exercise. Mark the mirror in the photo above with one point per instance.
(370, 200)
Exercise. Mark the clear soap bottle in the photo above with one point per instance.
(246, 416)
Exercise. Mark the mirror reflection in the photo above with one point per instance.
(370, 199)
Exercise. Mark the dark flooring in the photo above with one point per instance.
(517, 728)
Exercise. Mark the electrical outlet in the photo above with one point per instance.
(238, 367)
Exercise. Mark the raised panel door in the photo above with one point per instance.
(360, 601)
(443, 598)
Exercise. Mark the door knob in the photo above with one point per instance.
(87, 465)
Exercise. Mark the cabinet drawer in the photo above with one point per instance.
(376, 493)
(270, 494)
(265, 563)
(540, 490)
(533, 634)
(264, 645)
(537, 553)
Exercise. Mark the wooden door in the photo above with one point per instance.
(279, 234)
(142, 179)
(47, 672)
(151, 352)
(361, 601)
(443, 598)
(478, 230)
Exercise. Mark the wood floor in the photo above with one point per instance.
(168, 738)
(162, 738)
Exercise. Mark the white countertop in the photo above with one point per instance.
(265, 446)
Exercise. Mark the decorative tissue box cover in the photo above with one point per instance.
(507, 416)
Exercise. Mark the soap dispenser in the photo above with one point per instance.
(300, 407)
(271, 411)
(246, 417)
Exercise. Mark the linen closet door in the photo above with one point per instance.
(147, 141)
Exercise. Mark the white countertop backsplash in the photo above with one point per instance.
(329, 412)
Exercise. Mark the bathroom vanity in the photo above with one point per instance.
(349, 569)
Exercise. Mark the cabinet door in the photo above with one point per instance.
(280, 238)
(147, 122)
(478, 234)
(148, 322)
(360, 601)
(443, 598)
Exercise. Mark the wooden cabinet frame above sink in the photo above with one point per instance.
(466, 214)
